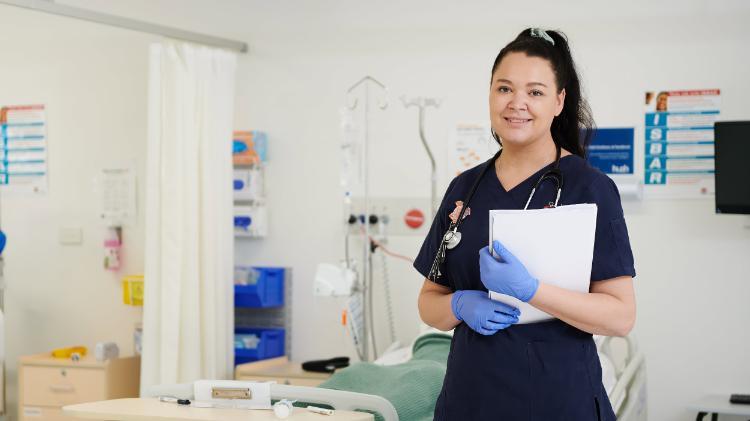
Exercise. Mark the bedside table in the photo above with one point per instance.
(280, 370)
(718, 404)
(46, 384)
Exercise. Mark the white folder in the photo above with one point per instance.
(555, 244)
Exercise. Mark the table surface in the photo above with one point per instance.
(46, 359)
(150, 409)
(719, 404)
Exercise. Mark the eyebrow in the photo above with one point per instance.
(528, 84)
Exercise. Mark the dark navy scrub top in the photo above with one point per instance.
(538, 371)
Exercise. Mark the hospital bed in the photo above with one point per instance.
(623, 376)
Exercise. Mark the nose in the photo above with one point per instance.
(517, 102)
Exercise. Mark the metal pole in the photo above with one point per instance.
(365, 241)
(423, 103)
(433, 172)
(367, 280)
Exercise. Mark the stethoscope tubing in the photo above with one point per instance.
(452, 236)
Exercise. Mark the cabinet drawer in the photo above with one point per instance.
(59, 386)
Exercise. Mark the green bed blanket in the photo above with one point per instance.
(412, 387)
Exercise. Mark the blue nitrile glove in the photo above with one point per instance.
(482, 314)
(508, 275)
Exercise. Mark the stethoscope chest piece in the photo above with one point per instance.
(451, 239)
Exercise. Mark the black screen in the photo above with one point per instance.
(732, 154)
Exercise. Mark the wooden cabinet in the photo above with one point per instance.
(46, 384)
(280, 370)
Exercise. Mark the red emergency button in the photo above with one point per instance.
(414, 218)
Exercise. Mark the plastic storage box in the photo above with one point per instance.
(253, 344)
(132, 290)
(258, 287)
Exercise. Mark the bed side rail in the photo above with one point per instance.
(338, 399)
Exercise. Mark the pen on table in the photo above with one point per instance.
(318, 410)
(172, 399)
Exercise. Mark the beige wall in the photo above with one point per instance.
(92, 79)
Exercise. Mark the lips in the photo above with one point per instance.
(517, 120)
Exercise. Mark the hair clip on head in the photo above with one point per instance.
(541, 33)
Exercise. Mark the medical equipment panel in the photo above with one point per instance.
(391, 215)
(253, 344)
(258, 286)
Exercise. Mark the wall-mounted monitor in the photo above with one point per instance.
(732, 155)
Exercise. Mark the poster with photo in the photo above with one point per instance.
(679, 143)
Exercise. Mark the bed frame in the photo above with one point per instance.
(628, 396)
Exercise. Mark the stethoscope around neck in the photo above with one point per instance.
(452, 236)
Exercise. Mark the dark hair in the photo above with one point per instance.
(573, 128)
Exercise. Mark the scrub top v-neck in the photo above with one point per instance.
(539, 371)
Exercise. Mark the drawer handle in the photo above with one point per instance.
(65, 388)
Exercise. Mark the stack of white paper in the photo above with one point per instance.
(556, 245)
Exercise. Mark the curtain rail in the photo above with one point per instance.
(49, 6)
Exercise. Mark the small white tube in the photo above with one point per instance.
(318, 410)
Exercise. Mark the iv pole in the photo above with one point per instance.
(367, 328)
(423, 103)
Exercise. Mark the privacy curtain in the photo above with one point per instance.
(188, 318)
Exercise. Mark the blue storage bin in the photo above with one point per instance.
(265, 289)
(264, 343)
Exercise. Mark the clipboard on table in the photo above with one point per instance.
(555, 244)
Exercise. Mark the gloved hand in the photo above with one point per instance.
(482, 314)
(508, 275)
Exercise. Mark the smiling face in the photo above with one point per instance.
(524, 99)
(661, 102)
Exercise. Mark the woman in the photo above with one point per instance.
(498, 369)
(661, 101)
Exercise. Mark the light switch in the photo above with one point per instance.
(71, 235)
